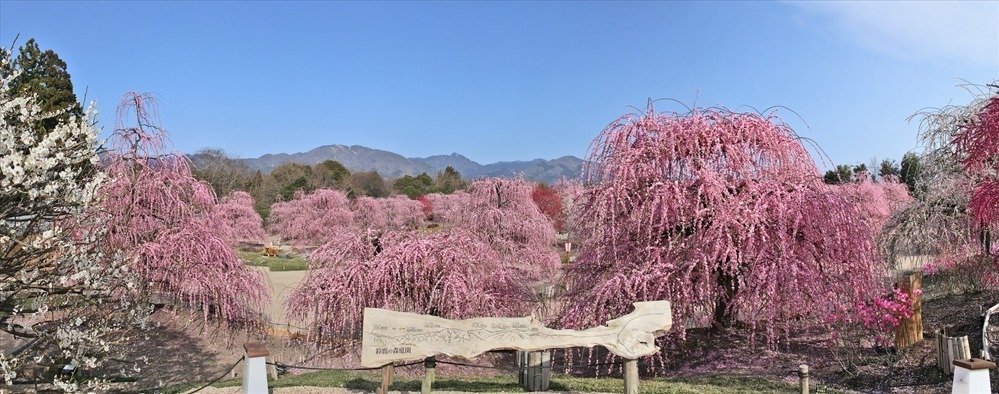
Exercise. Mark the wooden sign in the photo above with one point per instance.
(399, 336)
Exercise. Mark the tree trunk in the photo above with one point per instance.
(987, 240)
(724, 316)
(910, 331)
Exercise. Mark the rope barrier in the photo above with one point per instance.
(286, 366)
(481, 366)
(510, 369)
(524, 368)
(218, 378)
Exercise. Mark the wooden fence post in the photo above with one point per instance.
(430, 365)
(387, 372)
(950, 349)
(910, 331)
(534, 369)
(630, 376)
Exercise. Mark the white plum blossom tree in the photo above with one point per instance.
(52, 282)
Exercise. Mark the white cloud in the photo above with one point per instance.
(967, 32)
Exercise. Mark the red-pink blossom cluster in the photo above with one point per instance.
(978, 141)
(880, 315)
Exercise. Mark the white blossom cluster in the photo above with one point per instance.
(49, 181)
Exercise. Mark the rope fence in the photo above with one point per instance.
(218, 378)
(802, 371)
(286, 366)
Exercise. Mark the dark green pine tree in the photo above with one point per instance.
(44, 75)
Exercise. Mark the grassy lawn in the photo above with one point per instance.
(257, 259)
(369, 381)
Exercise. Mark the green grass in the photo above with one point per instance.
(368, 381)
(257, 259)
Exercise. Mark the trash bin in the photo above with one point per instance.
(535, 369)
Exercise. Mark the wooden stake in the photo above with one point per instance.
(950, 349)
(430, 366)
(910, 331)
(386, 378)
(631, 377)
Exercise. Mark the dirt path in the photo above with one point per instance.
(281, 284)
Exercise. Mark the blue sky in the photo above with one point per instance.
(499, 81)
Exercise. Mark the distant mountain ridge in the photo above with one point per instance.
(392, 165)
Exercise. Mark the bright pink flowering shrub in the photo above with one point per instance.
(879, 316)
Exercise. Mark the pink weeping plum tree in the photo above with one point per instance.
(502, 214)
(487, 259)
(396, 212)
(369, 213)
(570, 191)
(875, 201)
(404, 212)
(443, 205)
(452, 274)
(239, 221)
(311, 219)
(550, 203)
(722, 213)
(160, 220)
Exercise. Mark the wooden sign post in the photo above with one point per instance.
(390, 336)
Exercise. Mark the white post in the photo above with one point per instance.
(803, 378)
(972, 376)
(255, 368)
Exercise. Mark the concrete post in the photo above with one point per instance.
(803, 378)
(972, 376)
(255, 368)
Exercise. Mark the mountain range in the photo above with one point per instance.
(393, 165)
